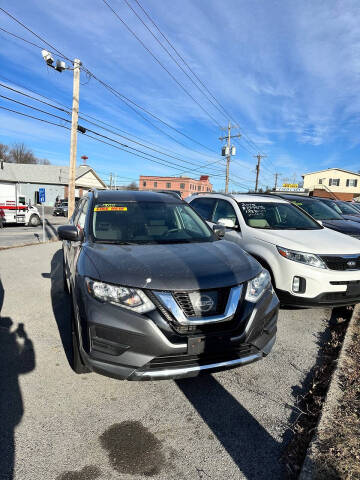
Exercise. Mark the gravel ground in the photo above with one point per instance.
(59, 425)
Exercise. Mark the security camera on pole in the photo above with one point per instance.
(60, 66)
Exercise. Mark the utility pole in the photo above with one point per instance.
(276, 175)
(73, 140)
(60, 66)
(228, 152)
(110, 182)
(259, 157)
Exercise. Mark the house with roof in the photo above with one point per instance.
(54, 178)
(334, 183)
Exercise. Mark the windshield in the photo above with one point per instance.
(356, 206)
(64, 204)
(276, 216)
(318, 209)
(148, 222)
(347, 209)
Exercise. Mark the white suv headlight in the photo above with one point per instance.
(257, 286)
(131, 298)
(301, 257)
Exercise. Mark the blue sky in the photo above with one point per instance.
(288, 72)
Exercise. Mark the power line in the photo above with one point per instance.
(140, 153)
(96, 124)
(23, 39)
(35, 34)
(169, 53)
(34, 98)
(35, 118)
(159, 62)
(227, 114)
(122, 97)
(34, 108)
(126, 100)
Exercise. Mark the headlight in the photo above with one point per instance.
(131, 298)
(301, 257)
(257, 286)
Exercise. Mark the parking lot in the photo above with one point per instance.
(63, 426)
(14, 235)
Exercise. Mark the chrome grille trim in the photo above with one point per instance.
(168, 301)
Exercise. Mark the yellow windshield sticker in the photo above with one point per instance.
(105, 208)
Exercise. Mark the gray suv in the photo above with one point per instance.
(156, 294)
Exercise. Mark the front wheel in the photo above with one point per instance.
(34, 221)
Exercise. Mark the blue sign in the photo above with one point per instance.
(42, 195)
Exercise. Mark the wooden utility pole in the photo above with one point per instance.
(259, 157)
(73, 140)
(228, 138)
(276, 175)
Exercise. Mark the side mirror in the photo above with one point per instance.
(68, 232)
(219, 231)
(226, 222)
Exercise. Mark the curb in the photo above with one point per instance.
(52, 240)
(309, 470)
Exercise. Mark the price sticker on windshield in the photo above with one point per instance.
(110, 208)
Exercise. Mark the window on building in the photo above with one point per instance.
(182, 186)
(155, 184)
(144, 183)
(351, 182)
(168, 185)
(320, 181)
(334, 181)
(199, 188)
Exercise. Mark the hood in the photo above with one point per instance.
(323, 241)
(343, 226)
(353, 218)
(188, 266)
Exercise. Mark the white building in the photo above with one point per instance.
(333, 182)
(29, 178)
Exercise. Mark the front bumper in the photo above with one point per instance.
(121, 344)
(324, 287)
(327, 299)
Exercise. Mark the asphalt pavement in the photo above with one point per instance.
(59, 425)
(16, 235)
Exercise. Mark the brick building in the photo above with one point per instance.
(185, 185)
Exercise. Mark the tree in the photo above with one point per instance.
(132, 186)
(19, 153)
(4, 151)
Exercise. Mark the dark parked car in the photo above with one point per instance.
(155, 292)
(346, 210)
(329, 217)
(61, 209)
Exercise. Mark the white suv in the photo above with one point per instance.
(310, 265)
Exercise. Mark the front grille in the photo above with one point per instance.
(185, 304)
(334, 262)
(190, 302)
(338, 297)
(207, 358)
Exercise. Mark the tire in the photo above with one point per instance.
(34, 221)
(77, 363)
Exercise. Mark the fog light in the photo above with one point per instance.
(298, 285)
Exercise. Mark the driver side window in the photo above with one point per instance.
(224, 209)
